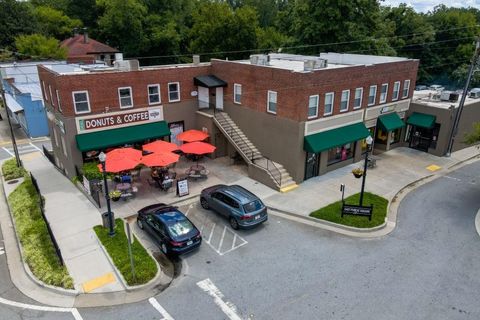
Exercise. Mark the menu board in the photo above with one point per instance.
(182, 187)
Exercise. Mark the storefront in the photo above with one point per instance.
(388, 130)
(422, 131)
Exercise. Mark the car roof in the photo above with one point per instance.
(169, 214)
(239, 193)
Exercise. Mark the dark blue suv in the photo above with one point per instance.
(170, 228)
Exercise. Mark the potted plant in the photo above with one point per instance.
(115, 195)
(357, 172)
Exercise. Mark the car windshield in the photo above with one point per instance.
(180, 227)
(252, 206)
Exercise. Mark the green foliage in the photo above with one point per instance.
(11, 171)
(474, 136)
(16, 18)
(40, 47)
(333, 211)
(55, 23)
(90, 171)
(37, 246)
(117, 248)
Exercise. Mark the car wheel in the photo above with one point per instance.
(204, 203)
(164, 249)
(140, 223)
(233, 223)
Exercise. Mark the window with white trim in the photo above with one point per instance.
(272, 101)
(396, 90)
(81, 102)
(44, 91)
(357, 102)
(154, 94)
(237, 93)
(406, 88)
(383, 93)
(372, 94)
(58, 101)
(64, 145)
(51, 95)
(313, 106)
(125, 97)
(55, 135)
(345, 100)
(173, 91)
(328, 108)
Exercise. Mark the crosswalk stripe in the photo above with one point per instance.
(227, 307)
(160, 309)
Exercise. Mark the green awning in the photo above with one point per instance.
(390, 122)
(421, 120)
(326, 140)
(115, 137)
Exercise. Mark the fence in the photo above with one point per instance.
(52, 237)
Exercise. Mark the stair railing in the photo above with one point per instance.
(271, 166)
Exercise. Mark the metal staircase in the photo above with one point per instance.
(279, 177)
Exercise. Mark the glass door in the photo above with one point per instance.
(311, 165)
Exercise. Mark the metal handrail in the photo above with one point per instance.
(277, 169)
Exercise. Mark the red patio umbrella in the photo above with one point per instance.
(124, 153)
(115, 165)
(192, 135)
(197, 147)
(160, 159)
(160, 146)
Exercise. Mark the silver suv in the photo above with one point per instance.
(242, 208)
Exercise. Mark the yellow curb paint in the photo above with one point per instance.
(98, 282)
(433, 167)
(289, 188)
(31, 155)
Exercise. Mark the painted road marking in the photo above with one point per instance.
(459, 180)
(98, 282)
(433, 167)
(5, 149)
(73, 311)
(38, 149)
(2, 251)
(188, 210)
(227, 307)
(163, 312)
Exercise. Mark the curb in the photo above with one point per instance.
(477, 222)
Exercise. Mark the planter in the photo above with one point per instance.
(358, 175)
(115, 199)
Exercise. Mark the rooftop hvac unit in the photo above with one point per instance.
(474, 93)
(313, 64)
(259, 59)
(449, 96)
(127, 65)
(321, 63)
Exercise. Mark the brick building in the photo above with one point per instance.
(289, 117)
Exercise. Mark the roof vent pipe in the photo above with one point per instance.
(196, 59)
(85, 35)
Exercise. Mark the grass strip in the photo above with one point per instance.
(333, 211)
(117, 248)
(38, 249)
(11, 171)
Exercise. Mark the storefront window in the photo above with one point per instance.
(395, 136)
(435, 131)
(364, 141)
(341, 153)
(381, 137)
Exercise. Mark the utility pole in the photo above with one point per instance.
(453, 133)
(14, 142)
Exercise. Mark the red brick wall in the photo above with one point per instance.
(294, 88)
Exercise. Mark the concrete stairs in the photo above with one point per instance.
(279, 178)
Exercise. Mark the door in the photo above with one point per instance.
(311, 165)
(175, 129)
(420, 138)
(203, 99)
(219, 98)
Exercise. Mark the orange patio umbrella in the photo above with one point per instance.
(192, 135)
(160, 146)
(124, 153)
(160, 159)
(197, 147)
(115, 165)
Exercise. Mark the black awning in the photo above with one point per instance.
(209, 81)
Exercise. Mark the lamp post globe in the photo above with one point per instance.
(103, 157)
(369, 141)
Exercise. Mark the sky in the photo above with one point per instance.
(428, 5)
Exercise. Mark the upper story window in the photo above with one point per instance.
(329, 97)
(81, 102)
(58, 101)
(357, 103)
(44, 91)
(173, 91)
(345, 100)
(237, 93)
(372, 94)
(154, 94)
(313, 107)
(396, 90)
(125, 97)
(272, 102)
(383, 93)
(406, 88)
(51, 95)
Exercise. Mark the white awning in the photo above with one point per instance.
(12, 104)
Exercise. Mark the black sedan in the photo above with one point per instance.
(170, 228)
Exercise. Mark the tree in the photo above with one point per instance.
(54, 23)
(84, 10)
(16, 18)
(38, 46)
(474, 136)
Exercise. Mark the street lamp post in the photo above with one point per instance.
(103, 157)
(14, 142)
(369, 141)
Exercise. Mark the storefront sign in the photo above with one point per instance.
(357, 210)
(118, 119)
(182, 187)
(387, 109)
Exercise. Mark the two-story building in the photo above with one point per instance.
(290, 117)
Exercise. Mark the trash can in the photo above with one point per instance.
(105, 221)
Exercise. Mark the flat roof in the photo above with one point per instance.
(429, 98)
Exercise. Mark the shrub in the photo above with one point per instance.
(90, 171)
(11, 171)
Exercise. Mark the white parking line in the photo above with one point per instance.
(38, 149)
(223, 236)
(5, 149)
(211, 233)
(2, 251)
(73, 311)
(227, 307)
(160, 309)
